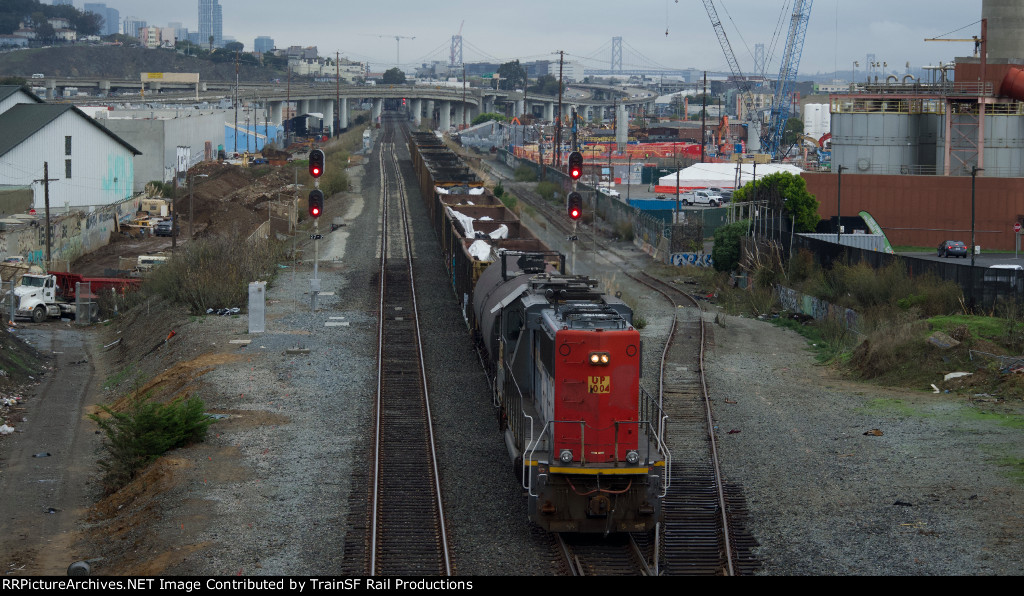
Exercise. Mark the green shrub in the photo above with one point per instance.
(499, 190)
(547, 190)
(214, 272)
(726, 252)
(146, 431)
(526, 174)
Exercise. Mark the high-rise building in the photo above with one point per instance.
(62, 2)
(113, 21)
(263, 44)
(211, 23)
(131, 26)
(110, 16)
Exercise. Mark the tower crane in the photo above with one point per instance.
(398, 41)
(780, 110)
(734, 66)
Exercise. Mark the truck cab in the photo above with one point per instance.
(36, 297)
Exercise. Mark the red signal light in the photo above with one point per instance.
(316, 203)
(575, 205)
(316, 163)
(575, 165)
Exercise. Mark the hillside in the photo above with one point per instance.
(121, 62)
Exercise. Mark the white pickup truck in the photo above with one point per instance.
(701, 197)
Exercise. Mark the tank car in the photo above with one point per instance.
(566, 363)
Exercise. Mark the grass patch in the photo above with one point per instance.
(130, 371)
(1008, 420)
(1013, 468)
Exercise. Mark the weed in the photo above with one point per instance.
(130, 371)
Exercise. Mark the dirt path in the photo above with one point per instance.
(46, 497)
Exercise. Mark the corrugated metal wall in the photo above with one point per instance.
(926, 210)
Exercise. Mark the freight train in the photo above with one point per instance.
(565, 361)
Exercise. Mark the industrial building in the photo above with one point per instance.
(926, 157)
(86, 164)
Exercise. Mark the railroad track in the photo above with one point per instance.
(704, 517)
(407, 534)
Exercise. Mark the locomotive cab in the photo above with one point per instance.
(581, 432)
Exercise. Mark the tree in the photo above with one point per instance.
(487, 116)
(726, 252)
(791, 133)
(234, 46)
(787, 192)
(513, 76)
(393, 76)
(546, 85)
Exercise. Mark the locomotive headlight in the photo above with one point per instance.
(565, 456)
(605, 358)
(632, 457)
(595, 358)
(600, 358)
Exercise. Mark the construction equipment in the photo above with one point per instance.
(772, 139)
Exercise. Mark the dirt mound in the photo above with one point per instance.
(232, 199)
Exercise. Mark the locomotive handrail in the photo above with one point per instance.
(530, 450)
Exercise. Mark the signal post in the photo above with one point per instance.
(574, 200)
(316, 209)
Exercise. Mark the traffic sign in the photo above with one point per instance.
(1016, 227)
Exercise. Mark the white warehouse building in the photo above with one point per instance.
(88, 166)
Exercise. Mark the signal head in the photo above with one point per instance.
(574, 204)
(316, 163)
(316, 203)
(575, 165)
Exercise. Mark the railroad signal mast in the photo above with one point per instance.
(317, 161)
(574, 200)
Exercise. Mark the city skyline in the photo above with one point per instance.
(670, 33)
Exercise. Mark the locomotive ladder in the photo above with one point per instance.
(408, 534)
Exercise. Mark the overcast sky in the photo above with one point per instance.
(839, 33)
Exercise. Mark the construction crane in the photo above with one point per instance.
(398, 41)
(780, 111)
(734, 65)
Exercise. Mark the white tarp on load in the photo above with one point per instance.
(501, 233)
(465, 220)
(480, 250)
(723, 175)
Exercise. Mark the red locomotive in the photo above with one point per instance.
(566, 362)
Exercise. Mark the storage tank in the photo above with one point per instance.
(817, 120)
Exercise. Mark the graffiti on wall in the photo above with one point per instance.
(820, 310)
(691, 259)
(71, 235)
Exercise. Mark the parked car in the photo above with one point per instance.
(164, 228)
(952, 248)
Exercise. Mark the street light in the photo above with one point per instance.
(974, 176)
(191, 219)
(839, 205)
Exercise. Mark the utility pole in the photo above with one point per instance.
(337, 91)
(558, 129)
(704, 118)
(236, 101)
(463, 95)
(46, 201)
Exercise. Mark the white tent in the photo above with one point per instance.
(723, 175)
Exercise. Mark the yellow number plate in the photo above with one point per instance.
(600, 385)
